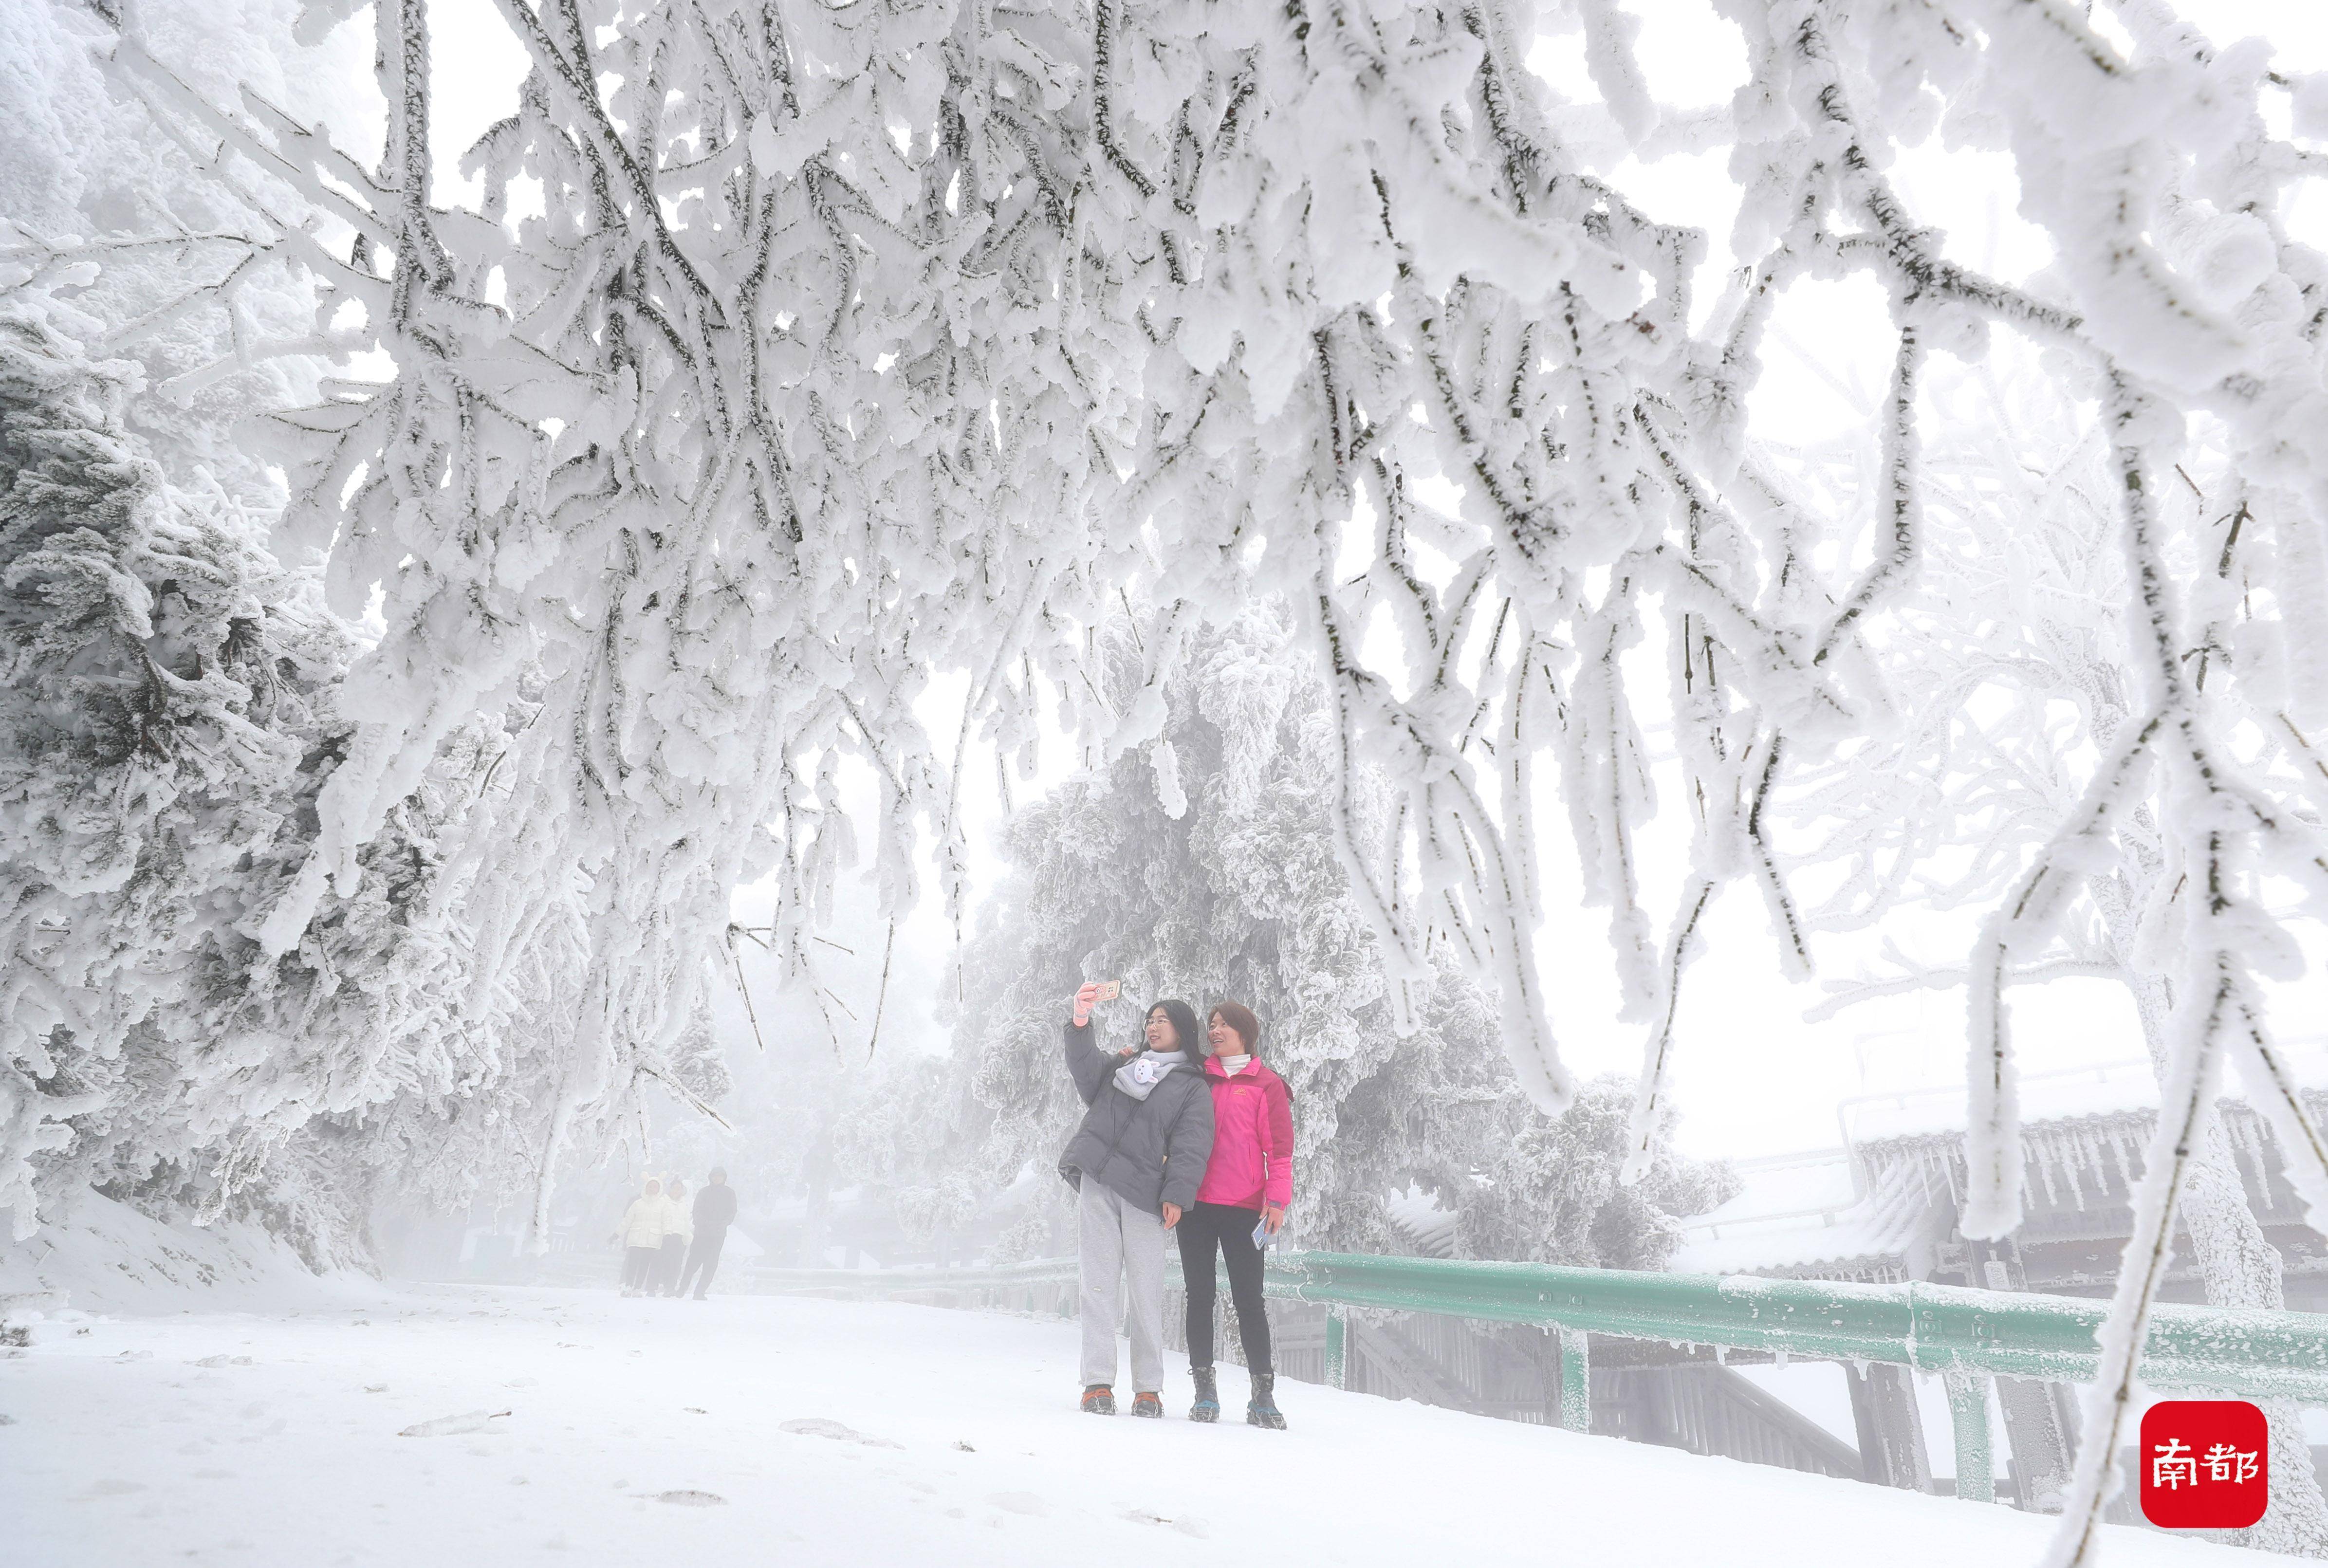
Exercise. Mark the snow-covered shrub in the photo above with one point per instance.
(1547, 1189)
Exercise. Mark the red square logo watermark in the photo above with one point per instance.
(2205, 1464)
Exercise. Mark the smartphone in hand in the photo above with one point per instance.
(1109, 990)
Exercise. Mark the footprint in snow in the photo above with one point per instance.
(113, 1489)
(1020, 1502)
(817, 1426)
(224, 1361)
(690, 1498)
(454, 1425)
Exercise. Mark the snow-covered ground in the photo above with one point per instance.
(764, 1429)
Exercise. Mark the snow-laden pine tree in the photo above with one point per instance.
(2010, 668)
(413, 1032)
(174, 705)
(167, 717)
(170, 708)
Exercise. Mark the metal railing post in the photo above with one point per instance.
(1575, 1380)
(1969, 1415)
(1337, 1349)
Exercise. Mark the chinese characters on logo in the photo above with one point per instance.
(2204, 1464)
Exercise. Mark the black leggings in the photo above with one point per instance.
(703, 1258)
(1209, 1228)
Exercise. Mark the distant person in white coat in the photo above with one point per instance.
(641, 1237)
(678, 1230)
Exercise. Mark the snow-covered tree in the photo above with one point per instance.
(1549, 1188)
(168, 716)
(1207, 869)
(2009, 669)
(162, 253)
(171, 707)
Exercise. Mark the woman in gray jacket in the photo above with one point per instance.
(1136, 1160)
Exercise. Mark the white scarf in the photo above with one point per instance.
(1232, 1065)
(1138, 1076)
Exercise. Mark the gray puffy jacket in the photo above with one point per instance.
(1150, 1151)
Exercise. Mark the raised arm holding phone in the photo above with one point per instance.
(1136, 1162)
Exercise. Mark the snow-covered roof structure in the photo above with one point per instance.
(1868, 1209)
(2104, 1089)
(1428, 1226)
(1803, 1213)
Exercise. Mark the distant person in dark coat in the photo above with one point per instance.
(714, 1211)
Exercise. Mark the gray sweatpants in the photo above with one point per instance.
(1120, 1241)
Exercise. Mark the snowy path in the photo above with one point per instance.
(123, 1449)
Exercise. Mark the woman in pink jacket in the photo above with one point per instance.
(1248, 1182)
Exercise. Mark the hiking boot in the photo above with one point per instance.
(1207, 1408)
(1149, 1405)
(1099, 1399)
(1262, 1409)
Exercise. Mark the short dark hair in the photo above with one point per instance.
(1184, 1023)
(1239, 1016)
(719, 1173)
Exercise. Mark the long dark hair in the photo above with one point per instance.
(1184, 1024)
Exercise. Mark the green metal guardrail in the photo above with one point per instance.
(1965, 1335)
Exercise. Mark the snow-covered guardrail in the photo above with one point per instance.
(2258, 1355)
(1961, 1334)
(1932, 1327)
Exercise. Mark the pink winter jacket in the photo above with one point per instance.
(1253, 1138)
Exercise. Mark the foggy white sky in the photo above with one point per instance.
(1751, 1077)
